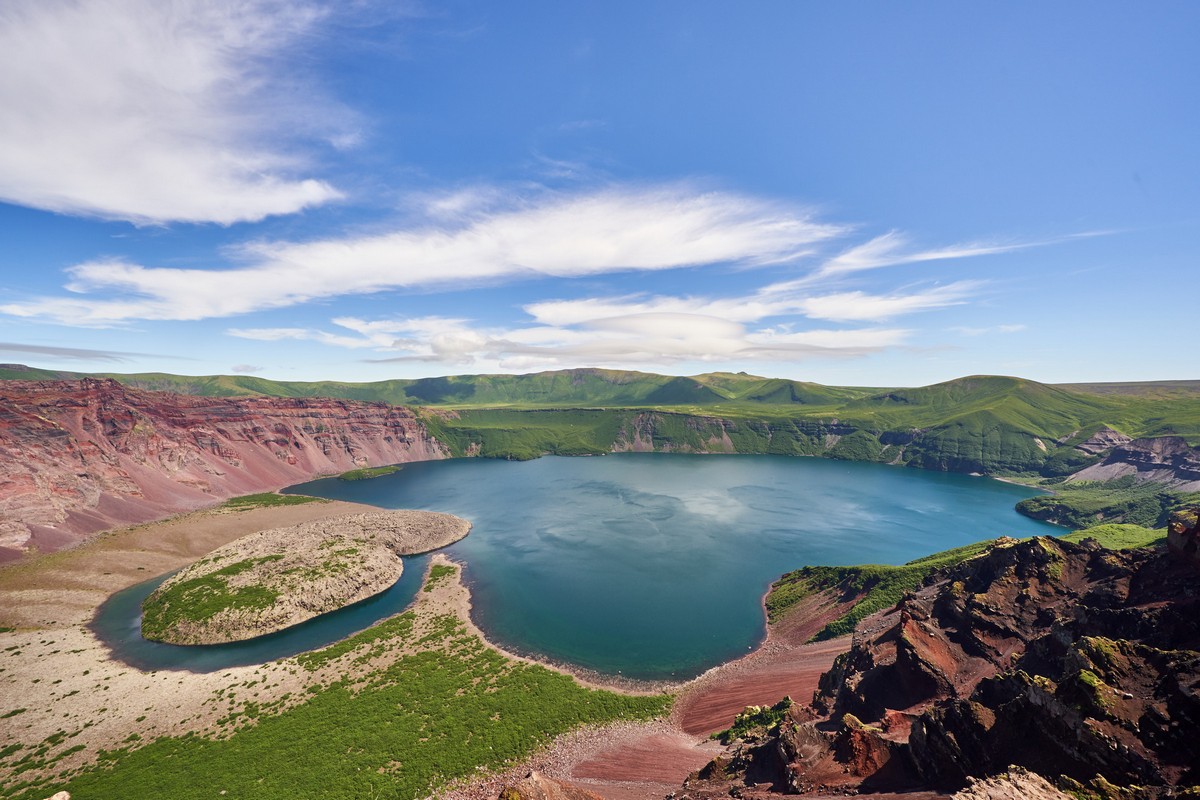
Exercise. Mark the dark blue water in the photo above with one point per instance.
(654, 565)
(118, 624)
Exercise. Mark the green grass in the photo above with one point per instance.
(437, 574)
(366, 473)
(523, 435)
(984, 423)
(1085, 504)
(1118, 536)
(199, 599)
(268, 500)
(427, 719)
(881, 586)
(755, 720)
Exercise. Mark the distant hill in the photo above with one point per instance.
(1149, 389)
(592, 388)
(195, 443)
(980, 423)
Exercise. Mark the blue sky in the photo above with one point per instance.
(860, 194)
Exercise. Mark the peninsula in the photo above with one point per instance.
(273, 579)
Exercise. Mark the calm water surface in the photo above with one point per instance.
(653, 565)
(118, 623)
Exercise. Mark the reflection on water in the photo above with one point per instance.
(653, 565)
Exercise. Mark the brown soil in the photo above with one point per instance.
(63, 589)
(651, 760)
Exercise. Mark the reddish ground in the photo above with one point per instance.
(765, 681)
(638, 765)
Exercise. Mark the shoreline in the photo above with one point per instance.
(53, 600)
(586, 677)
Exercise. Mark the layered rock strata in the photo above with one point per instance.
(78, 457)
(1168, 460)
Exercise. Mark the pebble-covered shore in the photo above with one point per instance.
(293, 574)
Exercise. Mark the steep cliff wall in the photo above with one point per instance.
(1164, 459)
(81, 456)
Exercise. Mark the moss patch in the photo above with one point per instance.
(199, 599)
(366, 473)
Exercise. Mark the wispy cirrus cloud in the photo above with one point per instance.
(662, 338)
(894, 248)
(969, 331)
(157, 112)
(769, 301)
(69, 353)
(468, 242)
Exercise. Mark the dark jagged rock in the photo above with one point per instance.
(1183, 534)
(1078, 663)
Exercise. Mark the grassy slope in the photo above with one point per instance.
(1085, 504)
(882, 586)
(426, 718)
(990, 424)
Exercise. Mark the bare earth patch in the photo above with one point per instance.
(57, 670)
(273, 579)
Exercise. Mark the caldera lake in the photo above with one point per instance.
(645, 565)
(653, 566)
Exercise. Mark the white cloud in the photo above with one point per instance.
(892, 249)
(770, 301)
(966, 331)
(575, 235)
(246, 369)
(70, 353)
(857, 306)
(155, 111)
(656, 338)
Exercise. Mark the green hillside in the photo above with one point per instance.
(591, 388)
(982, 423)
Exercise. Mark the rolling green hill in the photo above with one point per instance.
(981, 423)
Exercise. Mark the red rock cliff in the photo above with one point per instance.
(78, 457)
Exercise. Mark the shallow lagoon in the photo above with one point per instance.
(653, 566)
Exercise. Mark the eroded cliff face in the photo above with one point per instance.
(78, 457)
(1168, 460)
(1079, 663)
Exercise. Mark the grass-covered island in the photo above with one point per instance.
(274, 579)
(366, 473)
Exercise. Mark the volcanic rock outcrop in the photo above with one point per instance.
(1183, 534)
(1078, 663)
(82, 456)
(536, 786)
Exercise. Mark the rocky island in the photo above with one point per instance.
(274, 579)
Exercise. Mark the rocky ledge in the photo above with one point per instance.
(1078, 663)
(274, 579)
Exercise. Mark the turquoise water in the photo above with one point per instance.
(652, 565)
(118, 623)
